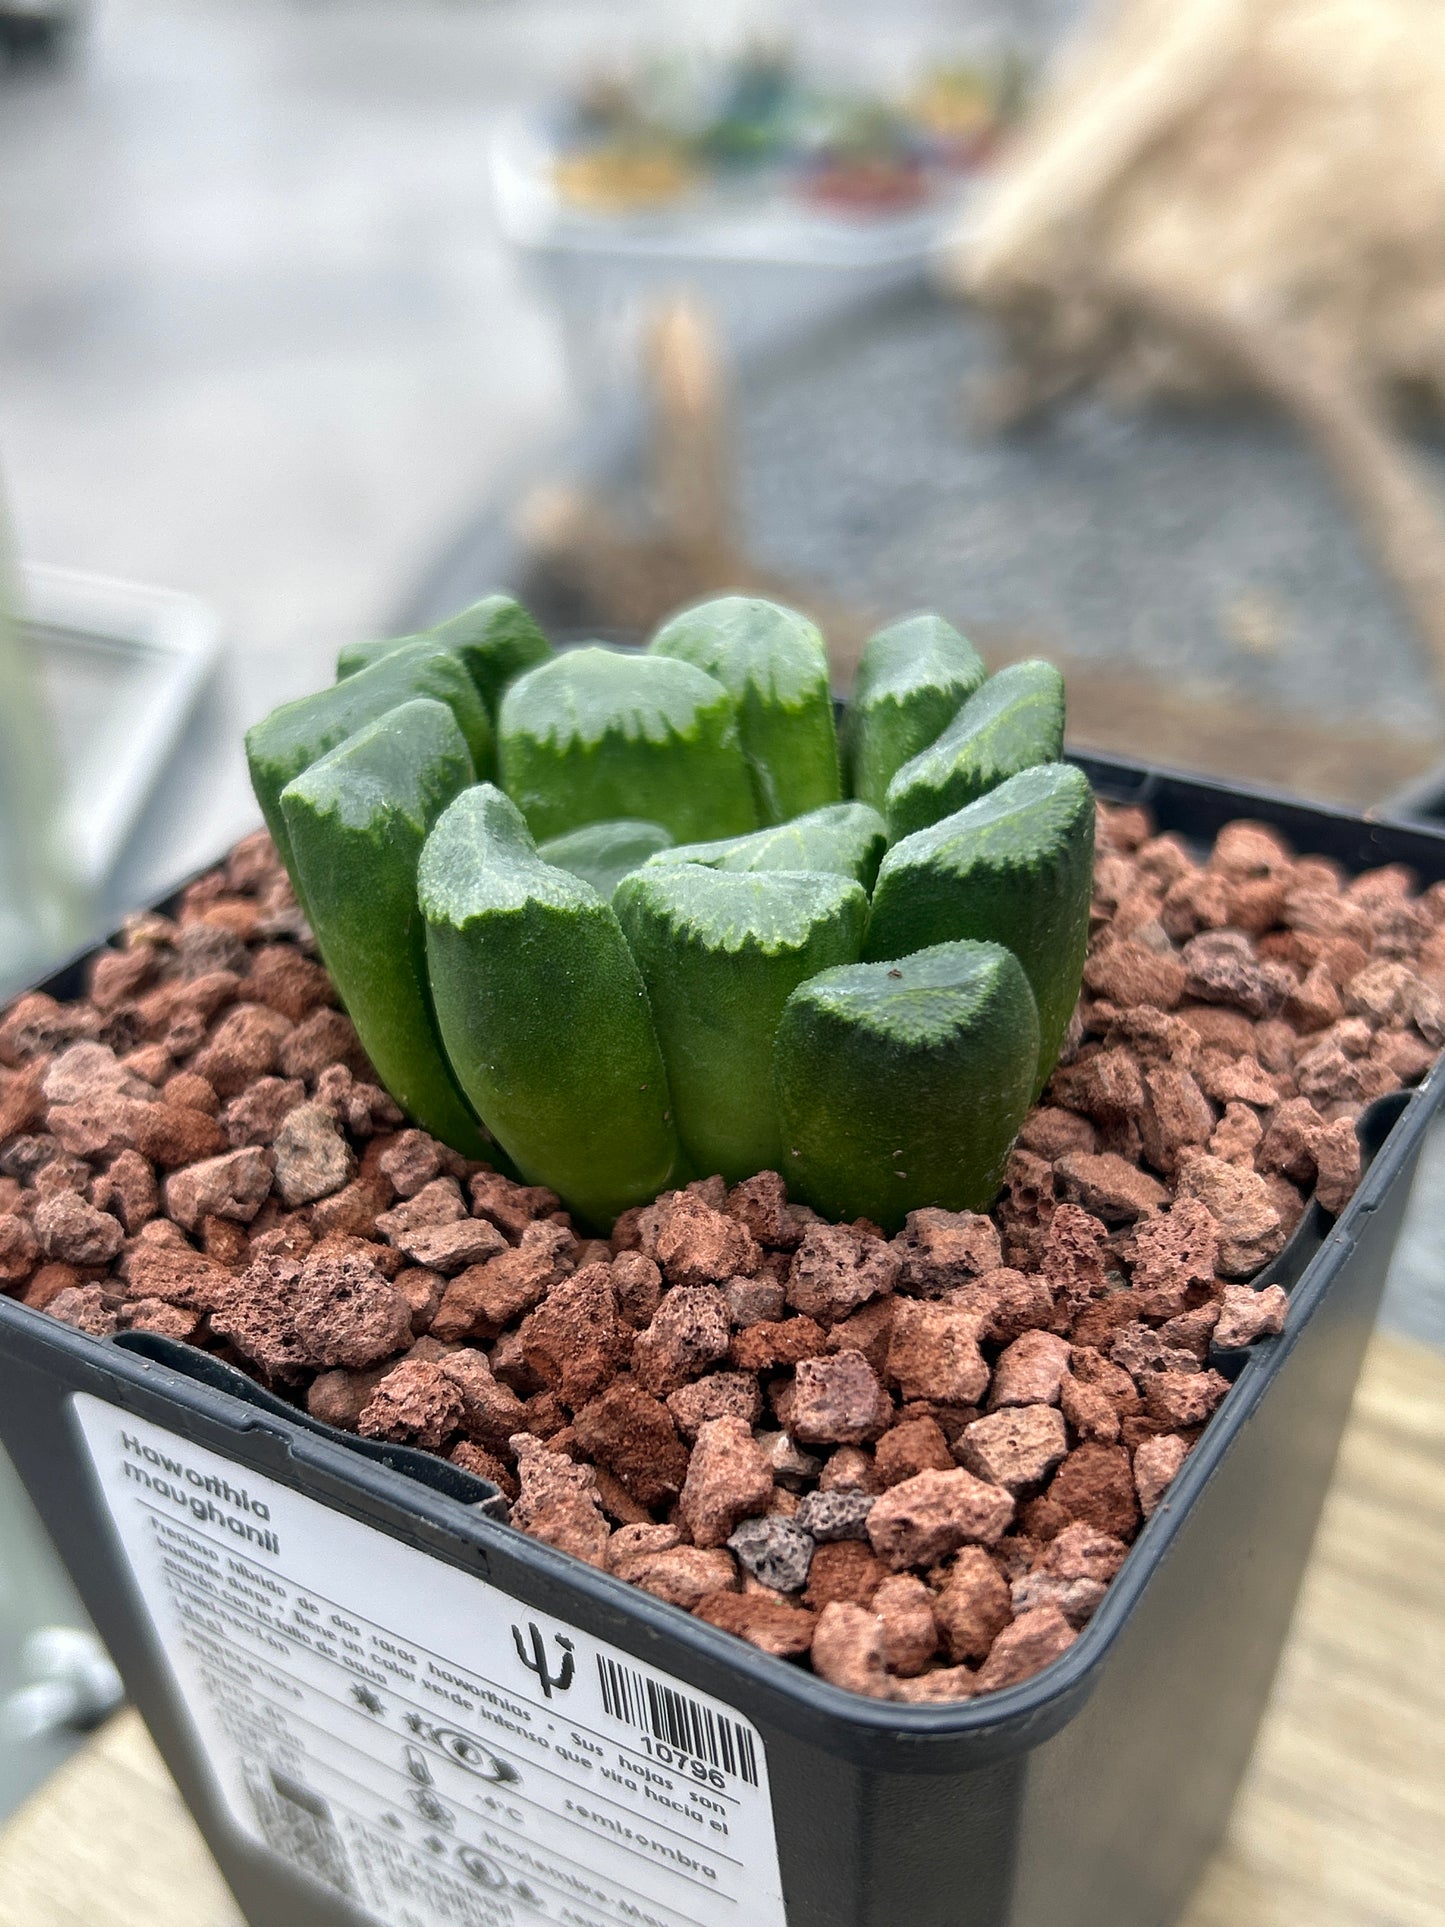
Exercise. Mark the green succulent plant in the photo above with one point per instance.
(604, 917)
(494, 640)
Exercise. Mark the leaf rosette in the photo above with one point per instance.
(617, 919)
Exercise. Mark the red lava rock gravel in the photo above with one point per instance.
(914, 1463)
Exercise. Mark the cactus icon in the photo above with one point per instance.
(539, 1662)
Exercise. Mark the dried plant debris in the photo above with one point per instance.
(914, 1463)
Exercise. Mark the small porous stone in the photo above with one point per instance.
(417, 1404)
(1110, 1186)
(344, 1312)
(491, 1412)
(972, 1606)
(574, 1341)
(728, 1480)
(836, 1269)
(776, 1551)
(1246, 1315)
(18, 1248)
(683, 1576)
(933, 1353)
(838, 1401)
(313, 1157)
(450, 1248)
(940, 1250)
(484, 1298)
(1030, 1371)
(1077, 1599)
(233, 1186)
(410, 1162)
(1183, 1399)
(830, 1516)
(1156, 1465)
(1025, 1648)
(844, 1569)
(75, 1232)
(696, 1245)
(928, 1517)
(767, 1345)
(848, 1649)
(793, 1468)
(717, 1395)
(916, 1445)
(636, 1281)
(1095, 1486)
(751, 1301)
(558, 1500)
(1016, 1447)
(1248, 1225)
(689, 1331)
(761, 1203)
(775, 1626)
(633, 1434)
(910, 1631)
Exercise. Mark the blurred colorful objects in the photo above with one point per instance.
(962, 109)
(638, 140)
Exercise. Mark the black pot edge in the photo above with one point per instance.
(879, 1734)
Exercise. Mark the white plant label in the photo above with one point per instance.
(408, 1736)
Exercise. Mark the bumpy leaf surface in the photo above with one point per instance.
(602, 854)
(773, 664)
(291, 738)
(543, 1012)
(596, 734)
(1016, 868)
(913, 678)
(1014, 721)
(495, 638)
(720, 953)
(357, 819)
(904, 1084)
(847, 839)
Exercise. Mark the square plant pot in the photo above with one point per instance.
(385, 1705)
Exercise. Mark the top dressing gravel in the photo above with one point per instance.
(914, 1464)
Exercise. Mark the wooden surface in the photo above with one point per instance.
(1341, 1822)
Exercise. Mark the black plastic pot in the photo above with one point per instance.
(1091, 1796)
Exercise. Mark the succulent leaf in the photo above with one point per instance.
(352, 656)
(846, 839)
(773, 664)
(603, 853)
(913, 678)
(1016, 868)
(292, 737)
(1014, 721)
(594, 735)
(904, 1084)
(357, 819)
(495, 638)
(543, 1012)
(720, 954)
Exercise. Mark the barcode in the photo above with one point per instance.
(678, 1721)
(297, 1824)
